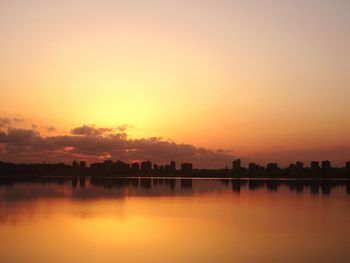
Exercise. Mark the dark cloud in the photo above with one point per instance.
(96, 144)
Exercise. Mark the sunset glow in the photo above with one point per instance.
(258, 80)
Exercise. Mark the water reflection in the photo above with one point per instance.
(196, 220)
(85, 188)
(297, 186)
(180, 186)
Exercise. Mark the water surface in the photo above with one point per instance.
(168, 220)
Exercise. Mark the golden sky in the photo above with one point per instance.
(251, 77)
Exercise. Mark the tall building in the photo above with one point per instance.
(251, 167)
(186, 168)
(155, 168)
(299, 168)
(135, 167)
(299, 165)
(172, 166)
(236, 165)
(75, 164)
(314, 168)
(326, 164)
(121, 167)
(272, 169)
(314, 165)
(255, 169)
(108, 167)
(146, 167)
(82, 165)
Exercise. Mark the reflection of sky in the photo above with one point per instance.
(210, 222)
(13, 190)
(23, 197)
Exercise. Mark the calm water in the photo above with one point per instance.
(133, 220)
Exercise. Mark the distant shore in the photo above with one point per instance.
(148, 169)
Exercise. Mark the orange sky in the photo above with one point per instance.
(250, 77)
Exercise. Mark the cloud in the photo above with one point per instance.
(91, 143)
(87, 130)
(50, 128)
(96, 144)
(124, 128)
(5, 122)
(18, 120)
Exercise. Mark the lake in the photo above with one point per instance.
(173, 220)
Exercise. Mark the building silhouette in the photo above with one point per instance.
(272, 169)
(135, 167)
(122, 169)
(173, 165)
(326, 164)
(186, 168)
(255, 170)
(146, 167)
(314, 168)
(347, 168)
(236, 167)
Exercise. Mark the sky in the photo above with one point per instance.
(260, 80)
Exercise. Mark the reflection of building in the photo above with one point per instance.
(186, 183)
